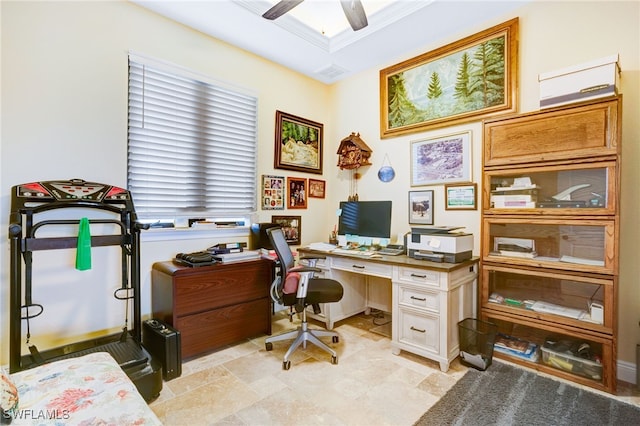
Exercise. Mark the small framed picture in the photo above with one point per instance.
(273, 192)
(461, 196)
(421, 207)
(291, 227)
(316, 188)
(297, 193)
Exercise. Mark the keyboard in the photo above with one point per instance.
(391, 251)
(353, 252)
(322, 246)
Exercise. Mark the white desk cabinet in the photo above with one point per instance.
(426, 299)
(427, 306)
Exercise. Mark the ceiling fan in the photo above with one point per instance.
(353, 10)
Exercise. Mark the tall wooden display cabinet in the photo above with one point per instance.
(550, 231)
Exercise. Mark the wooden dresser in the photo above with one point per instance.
(213, 306)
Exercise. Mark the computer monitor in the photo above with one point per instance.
(259, 238)
(365, 219)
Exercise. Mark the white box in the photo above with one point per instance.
(595, 79)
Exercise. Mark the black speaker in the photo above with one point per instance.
(163, 343)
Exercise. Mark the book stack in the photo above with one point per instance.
(513, 198)
(522, 194)
(237, 257)
(225, 248)
(516, 347)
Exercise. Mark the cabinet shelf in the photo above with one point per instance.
(534, 293)
(549, 240)
(566, 364)
(585, 245)
(566, 190)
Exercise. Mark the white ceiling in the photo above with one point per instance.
(396, 28)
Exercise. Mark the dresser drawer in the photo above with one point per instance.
(362, 267)
(213, 329)
(420, 299)
(421, 330)
(200, 292)
(419, 276)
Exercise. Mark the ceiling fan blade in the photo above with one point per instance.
(355, 14)
(281, 8)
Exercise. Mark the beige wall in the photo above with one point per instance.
(64, 93)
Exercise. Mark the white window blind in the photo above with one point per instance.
(192, 146)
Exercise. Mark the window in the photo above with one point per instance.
(192, 145)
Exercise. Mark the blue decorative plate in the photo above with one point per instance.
(386, 173)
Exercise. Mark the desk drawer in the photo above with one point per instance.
(206, 331)
(419, 276)
(416, 298)
(421, 330)
(362, 267)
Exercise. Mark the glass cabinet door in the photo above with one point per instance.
(582, 301)
(574, 245)
(581, 358)
(579, 189)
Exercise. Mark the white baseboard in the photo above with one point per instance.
(627, 372)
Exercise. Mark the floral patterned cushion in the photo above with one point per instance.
(87, 390)
(8, 397)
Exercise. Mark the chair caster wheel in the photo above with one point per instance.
(268, 346)
(336, 339)
(334, 359)
(286, 365)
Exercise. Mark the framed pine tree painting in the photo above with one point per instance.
(470, 79)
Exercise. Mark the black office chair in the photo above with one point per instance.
(297, 287)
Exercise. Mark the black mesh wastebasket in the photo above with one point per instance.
(476, 340)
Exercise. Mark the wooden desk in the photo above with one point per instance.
(213, 306)
(426, 299)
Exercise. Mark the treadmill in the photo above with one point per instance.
(28, 202)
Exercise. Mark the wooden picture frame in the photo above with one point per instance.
(461, 196)
(297, 193)
(291, 228)
(421, 207)
(470, 79)
(273, 192)
(298, 144)
(317, 188)
(440, 160)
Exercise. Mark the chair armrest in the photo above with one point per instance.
(303, 268)
(312, 256)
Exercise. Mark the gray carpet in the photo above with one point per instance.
(507, 395)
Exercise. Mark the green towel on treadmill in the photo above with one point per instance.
(83, 251)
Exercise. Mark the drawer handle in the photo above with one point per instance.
(422, 299)
(418, 276)
(417, 329)
(358, 266)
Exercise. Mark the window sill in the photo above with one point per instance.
(173, 234)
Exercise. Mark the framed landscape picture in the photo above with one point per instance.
(291, 227)
(421, 207)
(470, 79)
(445, 159)
(298, 144)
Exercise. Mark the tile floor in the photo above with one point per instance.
(245, 385)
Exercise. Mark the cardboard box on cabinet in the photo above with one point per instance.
(591, 80)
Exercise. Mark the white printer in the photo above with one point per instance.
(439, 244)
